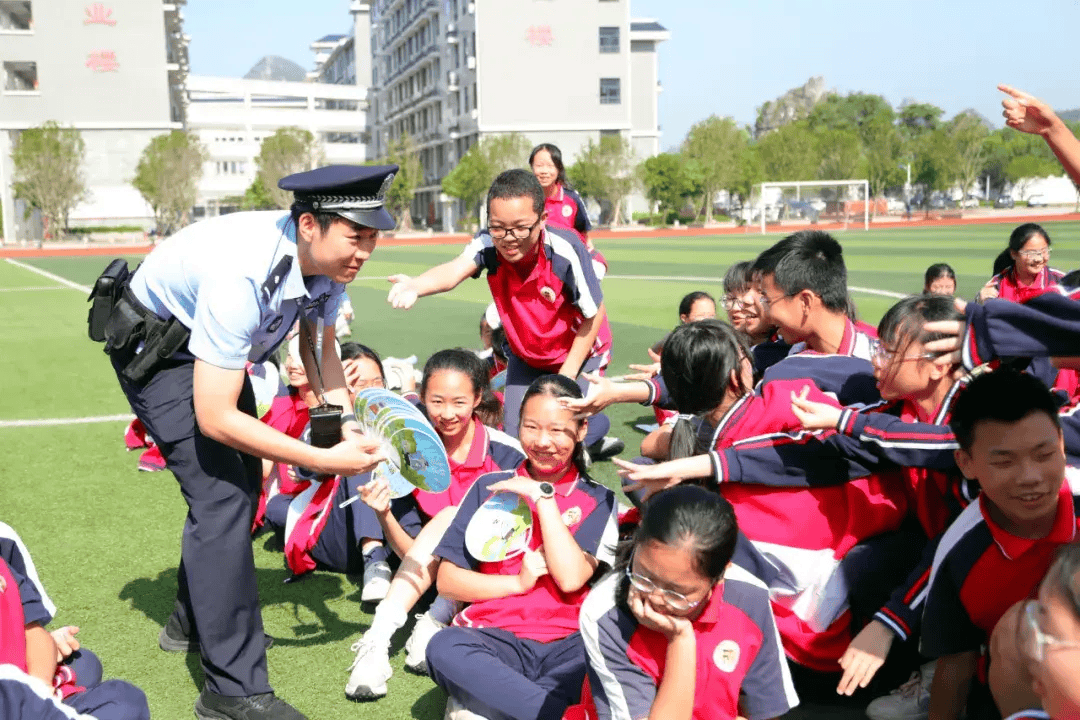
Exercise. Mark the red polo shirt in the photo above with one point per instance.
(1010, 288)
(739, 656)
(566, 210)
(544, 613)
(491, 450)
(541, 300)
(980, 571)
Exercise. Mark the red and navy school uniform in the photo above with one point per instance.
(1009, 287)
(846, 374)
(804, 531)
(769, 352)
(521, 656)
(980, 571)
(1029, 715)
(740, 669)
(542, 302)
(1047, 325)
(566, 209)
(288, 413)
(78, 678)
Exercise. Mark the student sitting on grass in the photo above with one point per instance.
(676, 630)
(455, 383)
(998, 550)
(47, 675)
(515, 651)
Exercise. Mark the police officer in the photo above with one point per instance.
(206, 301)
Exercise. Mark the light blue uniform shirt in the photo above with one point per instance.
(213, 276)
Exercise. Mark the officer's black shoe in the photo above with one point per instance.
(172, 639)
(268, 706)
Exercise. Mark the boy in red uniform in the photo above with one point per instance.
(998, 550)
(545, 288)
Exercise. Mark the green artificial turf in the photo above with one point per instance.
(106, 538)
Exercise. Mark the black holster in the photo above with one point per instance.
(103, 298)
(130, 324)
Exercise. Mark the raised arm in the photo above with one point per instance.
(1028, 114)
(449, 275)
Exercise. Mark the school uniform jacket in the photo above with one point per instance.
(740, 659)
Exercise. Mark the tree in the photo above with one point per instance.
(289, 150)
(917, 119)
(606, 171)
(884, 149)
(472, 176)
(848, 112)
(257, 197)
(935, 160)
(789, 153)
(840, 154)
(717, 145)
(403, 153)
(666, 182)
(969, 134)
(48, 172)
(167, 177)
(1023, 169)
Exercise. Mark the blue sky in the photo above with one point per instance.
(728, 57)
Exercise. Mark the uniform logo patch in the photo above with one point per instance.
(3, 584)
(274, 324)
(572, 516)
(726, 656)
(567, 211)
(547, 293)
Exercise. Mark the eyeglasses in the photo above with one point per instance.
(1032, 640)
(766, 301)
(364, 383)
(518, 233)
(1034, 254)
(645, 586)
(882, 356)
(731, 302)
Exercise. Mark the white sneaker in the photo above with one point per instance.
(377, 578)
(416, 646)
(369, 671)
(910, 701)
(455, 711)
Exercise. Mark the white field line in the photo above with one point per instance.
(31, 289)
(65, 421)
(47, 274)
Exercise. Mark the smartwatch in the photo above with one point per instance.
(547, 491)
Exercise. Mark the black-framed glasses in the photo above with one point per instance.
(733, 302)
(518, 233)
(645, 586)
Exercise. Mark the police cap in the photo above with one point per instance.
(355, 192)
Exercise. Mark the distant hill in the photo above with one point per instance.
(273, 67)
(1071, 115)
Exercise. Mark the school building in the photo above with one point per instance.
(449, 72)
(60, 58)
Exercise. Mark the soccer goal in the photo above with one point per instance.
(846, 202)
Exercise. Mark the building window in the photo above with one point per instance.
(20, 77)
(15, 16)
(610, 91)
(609, 39)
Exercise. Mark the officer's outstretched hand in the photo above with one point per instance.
(354, 455)
(402, 295)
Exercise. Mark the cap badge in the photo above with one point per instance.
(547, 293)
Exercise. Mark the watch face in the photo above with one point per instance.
(547, 489)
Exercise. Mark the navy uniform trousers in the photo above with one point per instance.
(217, 599)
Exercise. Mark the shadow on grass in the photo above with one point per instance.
(632, 423)
(431, 704)
(155, 598)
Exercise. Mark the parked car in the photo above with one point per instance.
(1004, 201)
(802, 209)
(894, 206)
(1036, 201)
(970, 202)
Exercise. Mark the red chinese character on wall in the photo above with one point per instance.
(102, 61)
(98, 14)
(539, 35)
